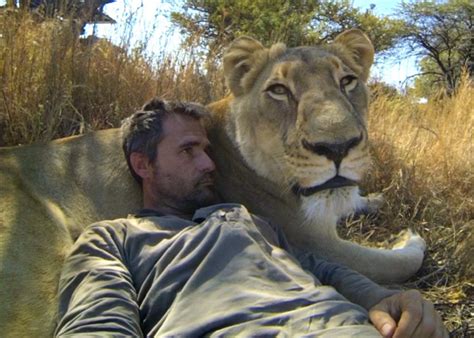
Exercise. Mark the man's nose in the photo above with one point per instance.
(206, 163)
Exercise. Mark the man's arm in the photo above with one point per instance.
(394, 313)
(355, 287)
(351, 284)
(96, 292)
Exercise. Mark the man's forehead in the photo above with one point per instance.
(180, 127)
(179, 122)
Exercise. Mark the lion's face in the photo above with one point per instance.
(299, 116)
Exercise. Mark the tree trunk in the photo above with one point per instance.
(25, 4)
(11, 3)
(450, 83)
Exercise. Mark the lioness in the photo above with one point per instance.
(290, 144)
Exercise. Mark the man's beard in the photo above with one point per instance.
(203, 194)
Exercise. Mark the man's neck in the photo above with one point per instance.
(167, 209)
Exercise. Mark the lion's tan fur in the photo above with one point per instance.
(49, 193)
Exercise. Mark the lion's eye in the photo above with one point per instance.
(278, 91)
(348, 83)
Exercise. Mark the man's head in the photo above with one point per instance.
(166, 148)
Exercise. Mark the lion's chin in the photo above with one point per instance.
(333, 183)
(329, 205)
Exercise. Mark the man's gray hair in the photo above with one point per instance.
(142, 131)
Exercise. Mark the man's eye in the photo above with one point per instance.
(348, 83)
(187, 151)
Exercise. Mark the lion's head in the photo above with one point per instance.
(299, 116)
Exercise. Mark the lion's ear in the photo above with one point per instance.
(241, 56)
(362, 50)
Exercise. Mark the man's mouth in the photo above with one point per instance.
(333, 183)
(206, 181)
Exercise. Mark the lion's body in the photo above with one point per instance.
(270, 151)
(48, 194)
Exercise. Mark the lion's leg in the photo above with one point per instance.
(381, 265)
(319, 234)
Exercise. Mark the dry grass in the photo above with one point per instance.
(423, 160)
(54, 84)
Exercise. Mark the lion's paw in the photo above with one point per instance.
(410, 240)
(371, 203)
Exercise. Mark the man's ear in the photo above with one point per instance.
(141, 164)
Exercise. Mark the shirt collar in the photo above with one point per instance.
(147, 213)
(199, 215)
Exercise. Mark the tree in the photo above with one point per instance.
(429, 83)
(81, 11)
(441, 35)
(333, 17)
(214, 23)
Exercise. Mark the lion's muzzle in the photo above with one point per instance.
(335, 152)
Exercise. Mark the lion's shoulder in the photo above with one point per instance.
(220, 109)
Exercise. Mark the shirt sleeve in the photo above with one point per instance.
(352, 285)
(96, 292)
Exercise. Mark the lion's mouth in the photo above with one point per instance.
(333, 183)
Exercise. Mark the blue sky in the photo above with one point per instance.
(392, 71)
(384, 7)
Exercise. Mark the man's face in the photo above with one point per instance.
(182, 171)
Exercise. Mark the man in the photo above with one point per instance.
(184, 266)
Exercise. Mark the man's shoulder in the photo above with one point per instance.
(117, 223)
(141, 222)
(108, 228)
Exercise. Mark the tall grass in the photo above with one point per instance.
(424, 156)
(56, 84)
(423, 163)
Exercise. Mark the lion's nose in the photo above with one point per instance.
(333, 151)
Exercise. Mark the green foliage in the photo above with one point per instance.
(214, 23)
(431, 82)
(441, 34)
(217, 22)
(334, 17)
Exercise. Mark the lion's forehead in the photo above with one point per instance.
(312, 58)
(304, 72)
(306, 53)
